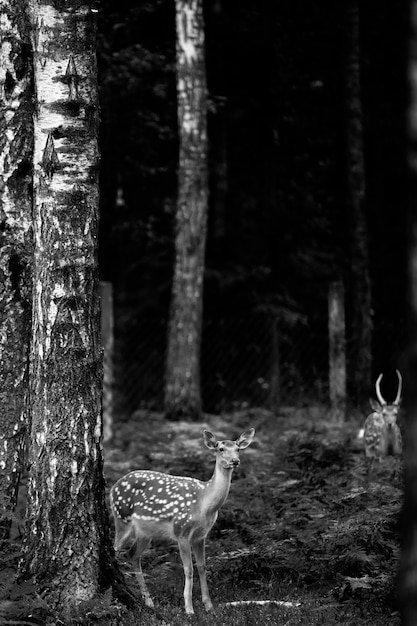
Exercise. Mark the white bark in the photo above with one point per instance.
(63, 552)
(182, 389)
(60, 167)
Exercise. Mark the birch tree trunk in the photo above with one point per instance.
(16, 133)
(360, 283)
(408, 569)
(182, 385)
(67, 547)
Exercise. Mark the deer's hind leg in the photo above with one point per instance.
(133, 546)
(142, 544)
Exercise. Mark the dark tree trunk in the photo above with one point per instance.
(16, 131)
(408, 572)
(361, 326)
(219, 187)
(274, 397)
(219, 241)
(337, 351)
(182, 385)
(267, 195)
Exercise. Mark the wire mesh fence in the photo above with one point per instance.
(260, 362)
(252, 360)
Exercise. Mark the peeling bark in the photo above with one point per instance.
(16, 136)
(182, 386)
(67, 546)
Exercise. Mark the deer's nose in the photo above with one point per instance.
(235, 462)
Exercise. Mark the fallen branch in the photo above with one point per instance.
(262, 603)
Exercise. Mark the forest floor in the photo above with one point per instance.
(299, 530)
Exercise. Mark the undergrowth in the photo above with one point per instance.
(299, 524)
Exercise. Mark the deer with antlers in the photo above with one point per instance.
(382, 435)
(150, 505)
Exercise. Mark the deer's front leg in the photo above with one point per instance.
(185, 553)
(200, 558)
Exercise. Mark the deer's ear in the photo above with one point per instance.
(245, 439)
(375, 405)
(209, 439)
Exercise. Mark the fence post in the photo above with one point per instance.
(337, 350)
(274, 377)
(106, 298)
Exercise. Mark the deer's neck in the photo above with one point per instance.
(217, 489)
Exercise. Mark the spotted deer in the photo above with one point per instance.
(150, 505)
(382, 435)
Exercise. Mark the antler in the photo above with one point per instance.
(378, 390)
(400, 384)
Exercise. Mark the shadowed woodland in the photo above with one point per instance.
(302, 162)
(281, 224)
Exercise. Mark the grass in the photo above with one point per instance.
(298, 526)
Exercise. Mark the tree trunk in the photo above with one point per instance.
(182, 385)
(274, 398)
(360, 284)
(67, 547)
(218, 236)
(337, 351)
(408, 570)
(218, 212)
(16, 132)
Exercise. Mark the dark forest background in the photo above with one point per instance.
(279, 229)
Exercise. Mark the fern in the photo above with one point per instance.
(19, 601)
(98, 610)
